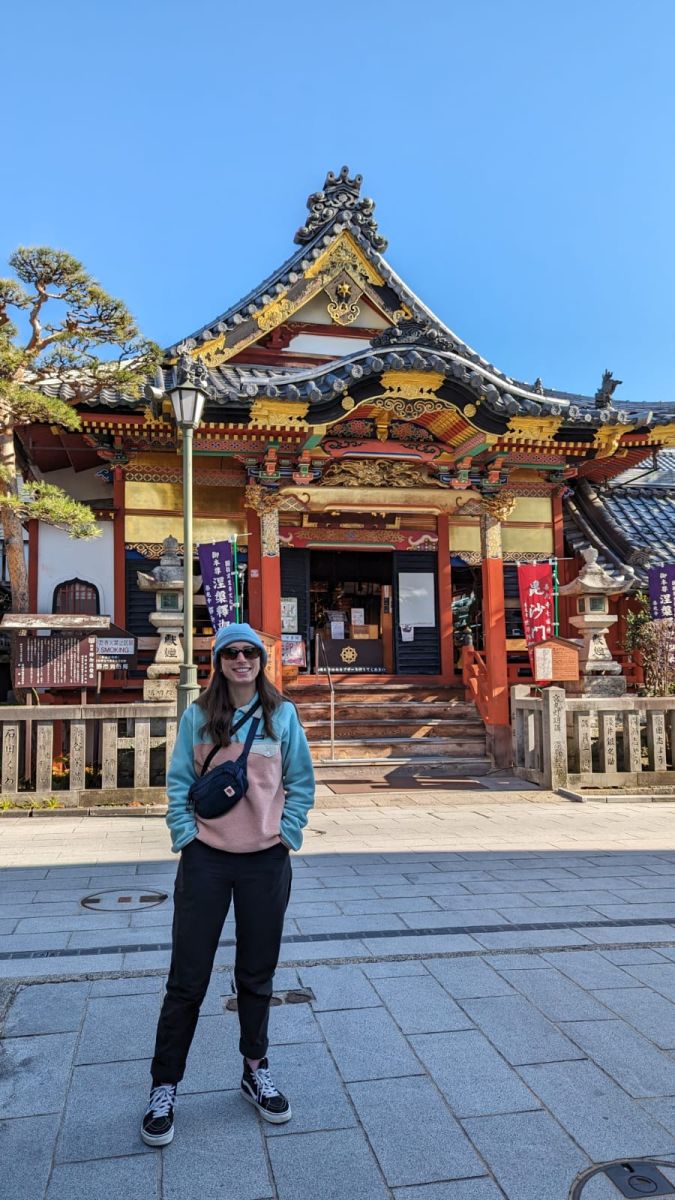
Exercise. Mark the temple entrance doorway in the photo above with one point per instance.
(360, 611)
(351, 610)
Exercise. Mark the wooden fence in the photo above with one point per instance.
(593, 742)
(85, 755)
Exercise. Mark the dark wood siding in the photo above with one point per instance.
(423, 655)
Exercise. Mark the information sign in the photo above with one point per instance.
(59, 660)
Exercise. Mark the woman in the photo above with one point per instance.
(244, 855)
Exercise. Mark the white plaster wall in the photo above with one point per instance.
(338, 347)
(61, 558)
(81, 485)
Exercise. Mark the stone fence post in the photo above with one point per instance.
(554, 736)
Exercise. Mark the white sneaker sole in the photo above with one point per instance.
(157, 1139)
(273, 1118)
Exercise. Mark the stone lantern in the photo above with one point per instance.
(600, 674)
(166, 581)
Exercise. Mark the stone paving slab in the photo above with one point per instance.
(428, 1145)
(421, 1005)
(26, 1152)
(628, 1058)
(519, 1031)
(106, 1179)
(338, 1165)
(47, 1008)
(471, 1074)
(530, 1155)
(470, 1189)
(596, 1112)
(34, 1073)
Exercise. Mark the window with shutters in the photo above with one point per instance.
(76, 596)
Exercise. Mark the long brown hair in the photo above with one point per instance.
(216, 702)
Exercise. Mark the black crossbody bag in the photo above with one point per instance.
(217, 791)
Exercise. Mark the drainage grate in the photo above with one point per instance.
(131, 899)
(293, 996)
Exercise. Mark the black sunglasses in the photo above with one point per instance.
(233, 652)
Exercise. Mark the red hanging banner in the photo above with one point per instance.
(535, 585)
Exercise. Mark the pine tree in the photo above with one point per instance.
(79, 342)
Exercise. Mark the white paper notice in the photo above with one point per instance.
(543, 662)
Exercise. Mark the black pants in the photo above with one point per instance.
(206, 881)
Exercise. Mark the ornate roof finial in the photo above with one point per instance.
(341, 197)
(603, 396)
(192, 370)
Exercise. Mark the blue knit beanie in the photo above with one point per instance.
(238, 633)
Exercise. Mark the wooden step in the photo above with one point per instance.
(319, 729)
(399, 710)
(377, 692)
(397, 772)
(400, 748)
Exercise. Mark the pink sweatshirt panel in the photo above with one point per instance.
(253, 823)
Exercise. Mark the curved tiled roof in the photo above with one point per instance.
(337, 208)
(631, 523)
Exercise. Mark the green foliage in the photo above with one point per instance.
(82, 341)
(78, 343)
(636, 621)
(30, 407)
(45, 502)
(655, 641)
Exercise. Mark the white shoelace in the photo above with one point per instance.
(266, 1088)
(162, 1098)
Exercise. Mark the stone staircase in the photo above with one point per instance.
(392, 732)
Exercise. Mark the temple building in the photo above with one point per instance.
(381, 477)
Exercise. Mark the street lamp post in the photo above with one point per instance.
(188, 396)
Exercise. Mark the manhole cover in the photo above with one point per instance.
(293, 996)
(639, 1179)
(118, 899)
(633, 1178)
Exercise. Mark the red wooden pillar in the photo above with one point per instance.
(119, 550)
(558, 524)
(270, 573)
(33, 563)
(253, 575)
(445, 599)
(494, 641)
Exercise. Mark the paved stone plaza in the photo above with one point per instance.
(493, 982)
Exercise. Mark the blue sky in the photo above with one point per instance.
(520, 154)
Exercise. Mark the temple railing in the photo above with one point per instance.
(475, 680)
(81, 756)
(562, 741)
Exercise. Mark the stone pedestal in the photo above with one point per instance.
(597, 685)
(160, 690)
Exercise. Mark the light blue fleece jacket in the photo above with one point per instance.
(296, 767)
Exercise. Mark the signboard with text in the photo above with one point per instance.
(555, 659)
(662, 591)
(58, 660)
(116, 650)
(217, 570)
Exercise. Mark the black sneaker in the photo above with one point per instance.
(157, 1127)
(258, 1089)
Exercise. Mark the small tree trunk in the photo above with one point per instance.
(12, 527)
(13, 534)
